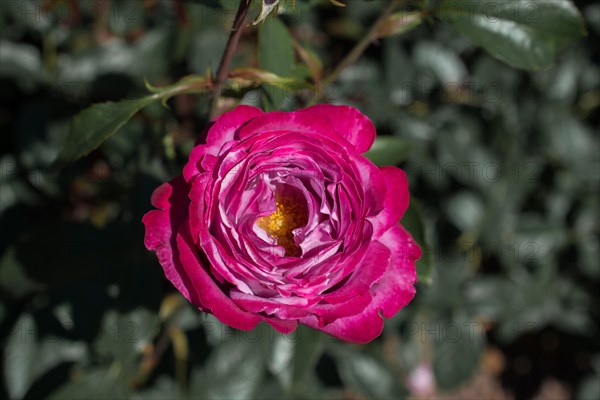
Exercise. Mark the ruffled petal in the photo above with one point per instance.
(225, 127)
(394, 291)
(373, 183)
(369, 271)
(360, 328)
(298, 308)
(349, 123)
(282, 326)
(223, 130)
(167, 233)
(204, 291)
(161, 225)
(299, 121)
(395, 202)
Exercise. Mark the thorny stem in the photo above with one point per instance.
(358, 50)
(232, 42)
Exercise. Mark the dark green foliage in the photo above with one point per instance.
(499, 143)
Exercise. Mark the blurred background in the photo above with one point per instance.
(504, 170)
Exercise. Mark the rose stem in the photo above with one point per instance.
(232, 42)
(357, 51)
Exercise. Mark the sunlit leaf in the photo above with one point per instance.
(258, 76)
(30, 355)
(266, 8)
(523, 33)
(399, 23)
(337, 3)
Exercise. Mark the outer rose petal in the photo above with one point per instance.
(360, 328)
(395, 202)
(296, 121)
(282, 326)
(172, 202)
(222, 131)
(203, 289)
(225, 127)
(374, 184)
(390, 294)
(349, 123)
(396, 289)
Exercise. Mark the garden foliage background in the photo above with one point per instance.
(503, 167)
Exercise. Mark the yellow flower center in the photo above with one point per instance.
(290, 214)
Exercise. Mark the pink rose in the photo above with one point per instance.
(278, 218)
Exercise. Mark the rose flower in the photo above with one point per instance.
(279, 218)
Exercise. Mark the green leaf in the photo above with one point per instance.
(457, 351)
(522, 33)
(94, 125)
(21, 63)
(589, 388)
(414, 222)
(96, 383)
(233, 371)
(14, 278)
(466, 210)
(20, 355)
(388, 150)
(294, 355)
(368, 374)
(276, 55)
(30, 354)
(123, 336)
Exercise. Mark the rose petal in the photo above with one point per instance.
(396, 288)
(282, 326)
(390, 294)
(395, 202)
(297, 308)
(360, 328)
(161, 225)
(225, 127)
(222, 131)
(370, 270)
(300, 122)
(349, 123)
(374, 184)
(204, 290)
